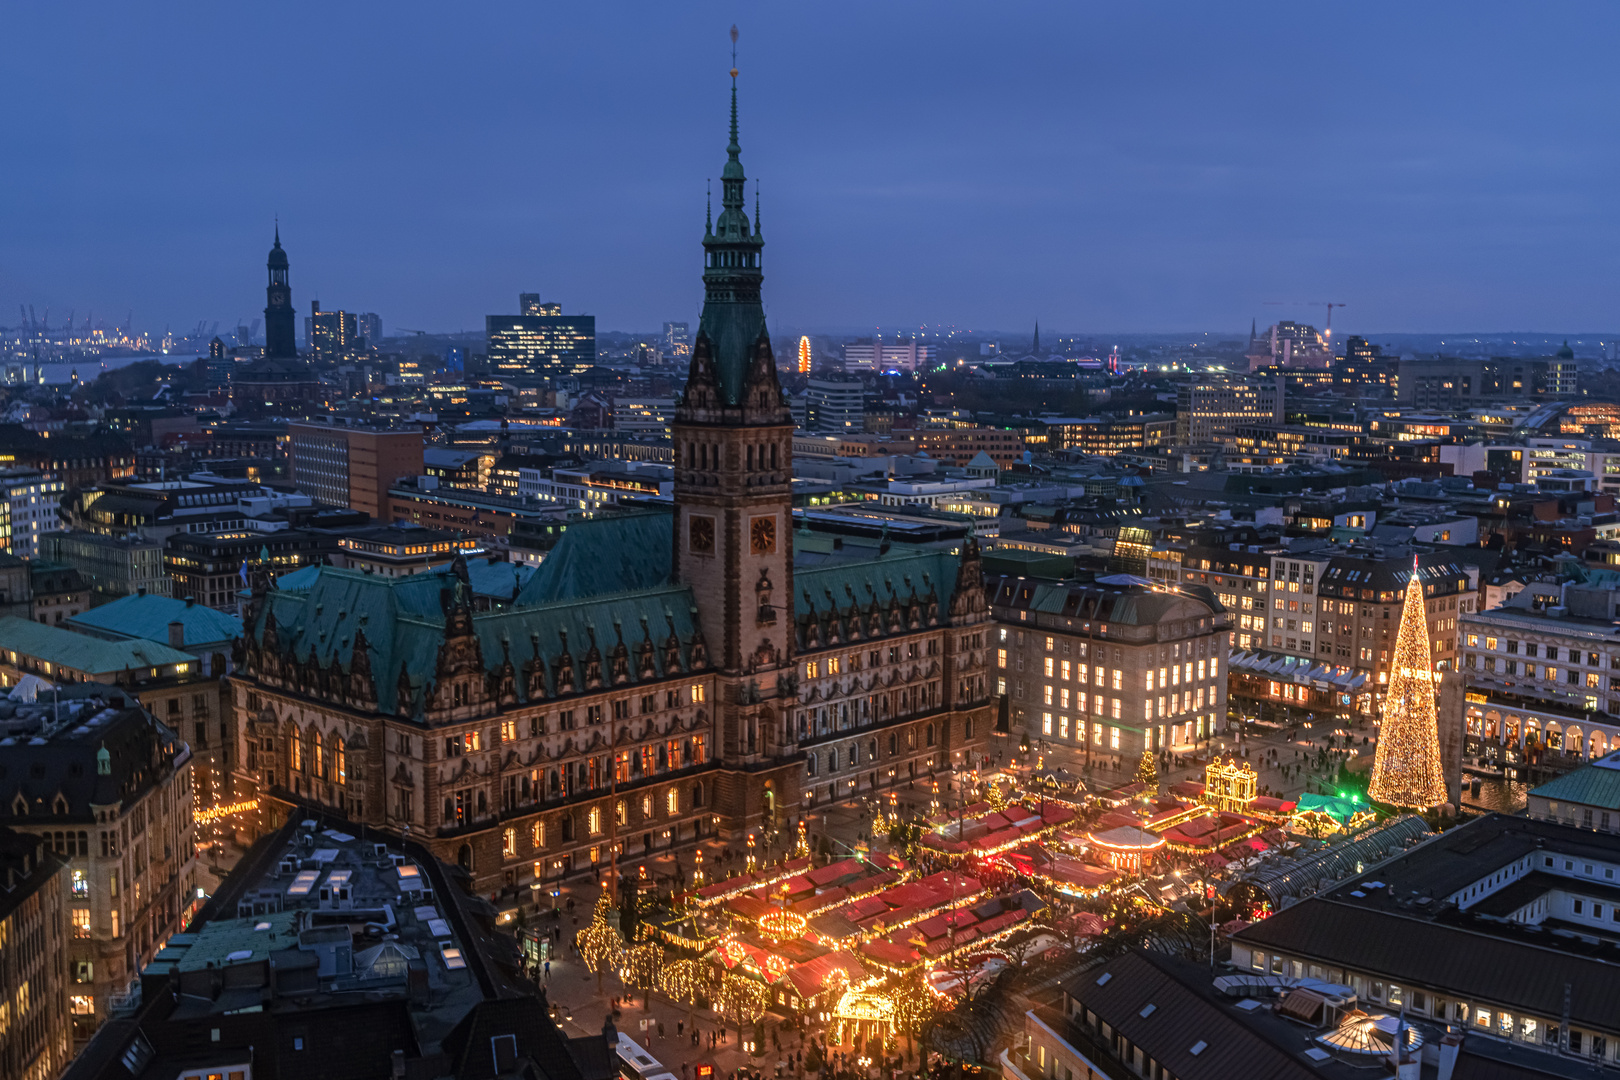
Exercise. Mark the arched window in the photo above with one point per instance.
(464, 857)
(929, 735)
(341, 753)
(697, 793)
(295, 751)
(320, 757)
(483, 803)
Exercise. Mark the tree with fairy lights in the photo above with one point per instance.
(600, 944)
(1147, 770)
(644, 967)
(915, 1006)
(741, 1000)
(1406, 765)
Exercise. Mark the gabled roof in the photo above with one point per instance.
(404, 622)
(1597, 784)
(148, 616)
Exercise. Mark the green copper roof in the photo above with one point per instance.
(1597, 784)
(733, 319)
(873, 587)
(83, 653)
(604, 555)
(404, 620)
(149, 617)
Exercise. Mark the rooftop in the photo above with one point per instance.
(148, 616)
(83, 653)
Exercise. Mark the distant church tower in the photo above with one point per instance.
(280, 339)
(733, 436)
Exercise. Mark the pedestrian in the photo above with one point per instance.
(548, 970)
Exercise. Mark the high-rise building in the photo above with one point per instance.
(345, 466)
(888, 356)
(541, 343)
(329, 334)
(677, 342)
(29, 501)
(1452, 383)
(529, 303)
(834, 404)
(280, 332)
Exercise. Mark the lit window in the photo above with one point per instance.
(81, 922)
(697, 693)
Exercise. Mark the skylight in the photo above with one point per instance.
(453, 960)
(1197, 1048)
(304, 882)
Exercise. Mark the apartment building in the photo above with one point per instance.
(107, 787)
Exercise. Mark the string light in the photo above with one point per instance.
(1406, 766)
(214, 813)
(1147, 771)
(600, 944)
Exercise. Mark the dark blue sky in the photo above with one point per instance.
(1103, 167)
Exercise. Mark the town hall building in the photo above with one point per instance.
(662, 677)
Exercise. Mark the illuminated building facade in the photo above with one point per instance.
(1212, 408)
(1109, 435)
(538, 346)
(116, 804)
(1114, 670)
(347, 466)
(1451, 383)
(36, 1040)
(1230, 784)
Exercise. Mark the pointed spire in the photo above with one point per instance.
(756, 207)
(1036, 348)
(708, 207)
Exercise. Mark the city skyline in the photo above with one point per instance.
(1130, 171)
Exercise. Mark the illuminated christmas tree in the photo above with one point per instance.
(1147, 770)
(1406, 769)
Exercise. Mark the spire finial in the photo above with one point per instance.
(756, 207)
(734, 148)
(708, 205)
(278, 230)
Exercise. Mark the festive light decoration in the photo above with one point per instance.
(644, 966)
(801, 847)
(214, 813)
(742, 1000)
(804, 356)
(1230, 784)
(1147, 770)
(697, 871)
(782, 925)
(600, 944)
(1406, 767)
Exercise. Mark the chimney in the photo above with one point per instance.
(141, 591)
(177, 632)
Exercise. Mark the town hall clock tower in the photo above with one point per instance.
(733, 436)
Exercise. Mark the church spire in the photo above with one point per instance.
(1036, 348)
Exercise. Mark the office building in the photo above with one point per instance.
(542, 343)
(1113, 669)
(529, 303)
(280, 335)
(481, 725)
(889, 356)
(398, 550)
(677, 342)
(348, 466)
(1498, 927)
(1109, 435)
(1450, 383)
(36, 1032)
(29, 501)
(647, 415)
(332, 335)
(112, 566)
(833, 404)
(207, 567)
(1211, 408)
(109, 788)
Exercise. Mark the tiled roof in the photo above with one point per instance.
(613, 554)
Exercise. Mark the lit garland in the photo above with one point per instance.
(782, 925)
(644, 966)
(1406, 766)
(742, 1000)
(214, 813)
(600, 944)
(686, 979)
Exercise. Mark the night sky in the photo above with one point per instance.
(1102, 167)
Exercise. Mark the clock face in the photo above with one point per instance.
(762, 535)
(278, 296)
(700, 535)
